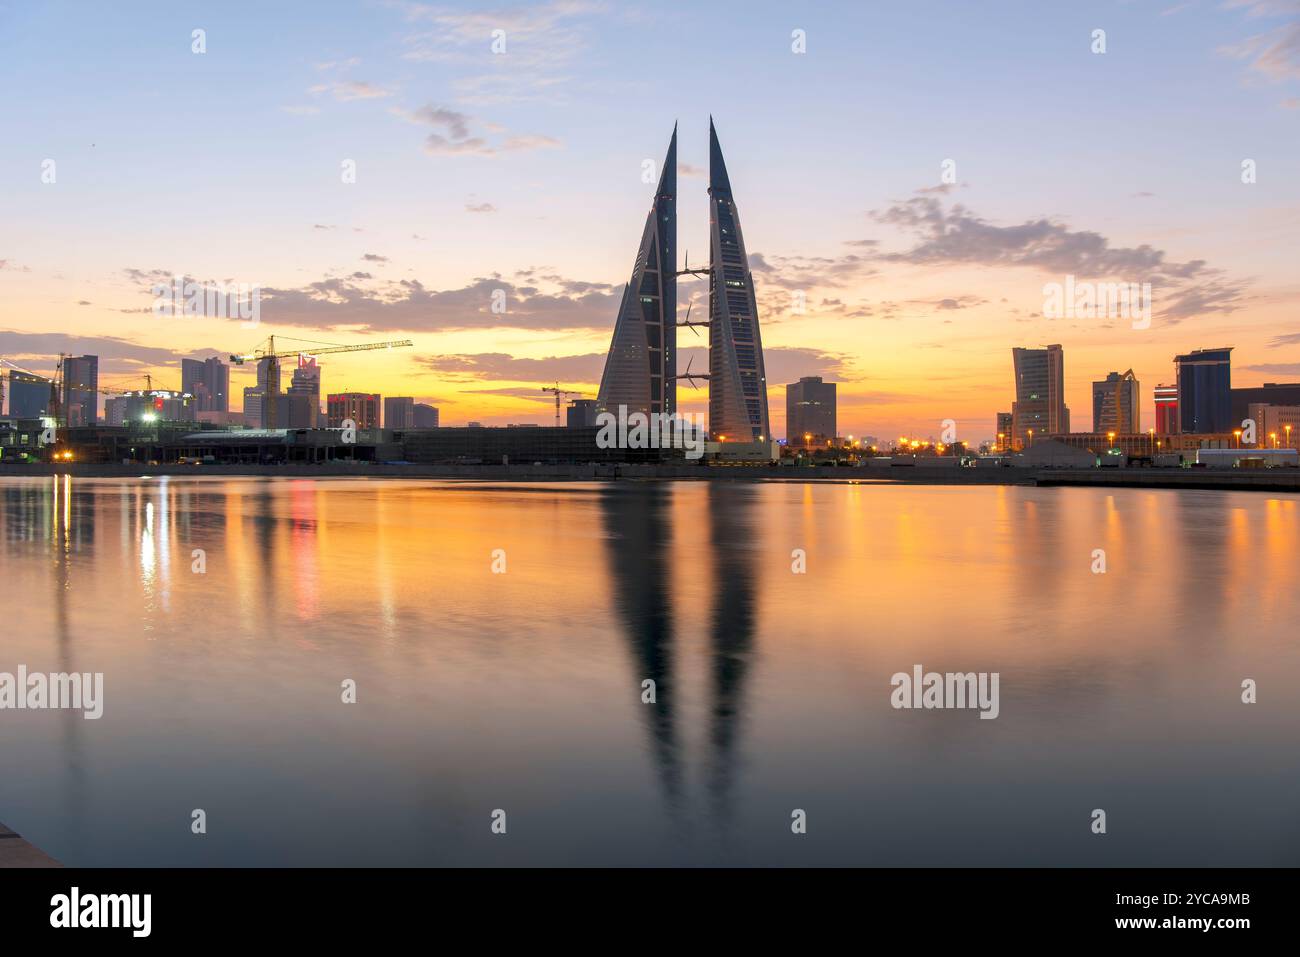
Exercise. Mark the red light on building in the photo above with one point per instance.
(1166, 397)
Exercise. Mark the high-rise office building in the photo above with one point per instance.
(1040, 394)
(81, 390)
(304, 393)
(809, 411)
(426, 416)
(737, 378)
(399, 412)
(1205, 391)
(29, 395)
(581, 413)
(361, 407)
(641, 365)
(208, 380)
(1166, 400)
(257, 411)
(1116, 406)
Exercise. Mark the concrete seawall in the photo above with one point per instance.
(1268, 480)
(15, 852)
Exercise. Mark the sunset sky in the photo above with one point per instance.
(523, 171)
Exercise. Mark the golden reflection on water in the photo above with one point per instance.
(762, 673)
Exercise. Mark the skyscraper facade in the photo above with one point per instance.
(641, 365)
(1205, 391)
(81, 390)
(1166, 399)
(1040, 394)
(304, 392)
(809, 411)
(1116, 406)
(737, 378)
(208, 380)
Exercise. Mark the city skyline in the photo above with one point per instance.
(477, 171)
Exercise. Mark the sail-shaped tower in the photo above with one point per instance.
(737, 380)
(641, 367)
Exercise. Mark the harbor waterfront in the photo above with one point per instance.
(500, 635)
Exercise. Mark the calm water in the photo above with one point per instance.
(522, 691)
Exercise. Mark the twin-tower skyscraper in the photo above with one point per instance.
(641, 367)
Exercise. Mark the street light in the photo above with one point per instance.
(1273, 436)
(1237, 434)
(1288, 435)
(1031, 438)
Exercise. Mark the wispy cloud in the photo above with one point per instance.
(347, 90)
(1275, 53)
(453, 134)
(536, 44)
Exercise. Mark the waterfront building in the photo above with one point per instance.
(809, 411)
(1205, 391)
(1166, 402)
(1116, 404)
(1039, 406)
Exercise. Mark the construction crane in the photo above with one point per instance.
(268, 351)
(557, 391)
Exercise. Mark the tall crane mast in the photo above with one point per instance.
(268, 352)
(557, 391)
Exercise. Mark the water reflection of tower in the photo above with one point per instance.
(73, 528)
(638, 538)
(732, 545)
